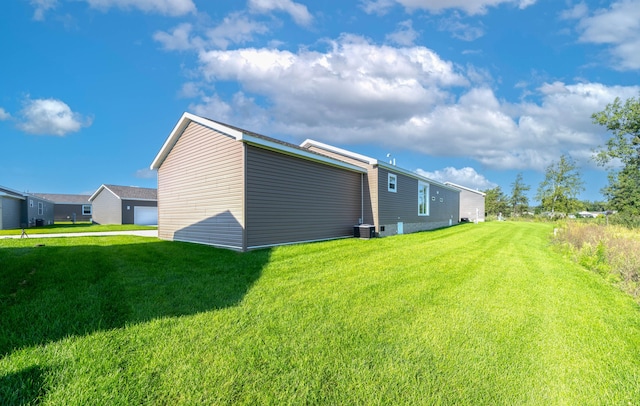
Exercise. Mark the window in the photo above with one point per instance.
(86, 209)
(30, 202)
(423, 199)
(392, 184)
(40, 208)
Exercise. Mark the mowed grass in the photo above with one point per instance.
(472, 315)
(76, 228)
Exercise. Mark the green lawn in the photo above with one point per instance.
(474, 314)
(76, 228)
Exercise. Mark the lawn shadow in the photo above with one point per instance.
(22, 388)
(53, 288)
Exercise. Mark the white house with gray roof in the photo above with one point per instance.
(113, 204)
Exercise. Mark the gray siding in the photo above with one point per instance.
(471, 205)
(200, 189)
(65, 212)
(107, 208)
(10, 212)
(446, 205)
(128, 209)
(339, 157)
(292, 200)
(37, 209)
(370, 208)
(402, 206)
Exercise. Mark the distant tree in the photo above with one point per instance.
(561, 185)
(496, 202)
(623, 121)
(623, 190)
(519, 201)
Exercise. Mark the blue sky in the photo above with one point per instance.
(469, 91)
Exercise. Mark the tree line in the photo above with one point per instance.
(558, 192)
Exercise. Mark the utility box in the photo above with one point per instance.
(364, 231)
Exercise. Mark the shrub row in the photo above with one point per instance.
(612, 251)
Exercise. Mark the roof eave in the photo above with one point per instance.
(339, 151)
(414, 175)
(465, 188)
(179, 128)
(274, 146)
(100, 189)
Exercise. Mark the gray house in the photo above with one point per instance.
(471, 203)
(224, 186)
(21, 210)
(69, 207)
(113, 204)
(398, 201)
(11, 203)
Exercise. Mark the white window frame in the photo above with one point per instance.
(392, 183)
(86, 210)
(30, 202)
(423, 194)
(40, 208)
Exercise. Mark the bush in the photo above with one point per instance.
(625, 220)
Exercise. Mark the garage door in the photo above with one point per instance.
(147, 216)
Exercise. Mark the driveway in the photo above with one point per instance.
(140, 233)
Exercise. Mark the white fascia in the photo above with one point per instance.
(179, 128)
(339, 151)
(274, 146)
(465, 188)
(100, 189)
(414, 175)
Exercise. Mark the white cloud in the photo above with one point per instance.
(172, 8)
(297, 11)
(145, 173)
(467, 177)
(236, 28)
(379, 7)
(460, 30)
(190, 90)
(468, 6)
(352, 83)
(405, 35)
(518, 136)
(4, 115)
(50, 117)
(41, 7)
(165, 7)
(618, 26)
(578, 11)
(179, 39)
(357, 92)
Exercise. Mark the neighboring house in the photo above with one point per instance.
(11, 204)
(20, 210)
(37, 211)
(113, 204)
(224, 186)
(69, 207)
(471, 203)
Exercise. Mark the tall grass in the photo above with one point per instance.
(612, 251)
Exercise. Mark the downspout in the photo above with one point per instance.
(362, 197)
